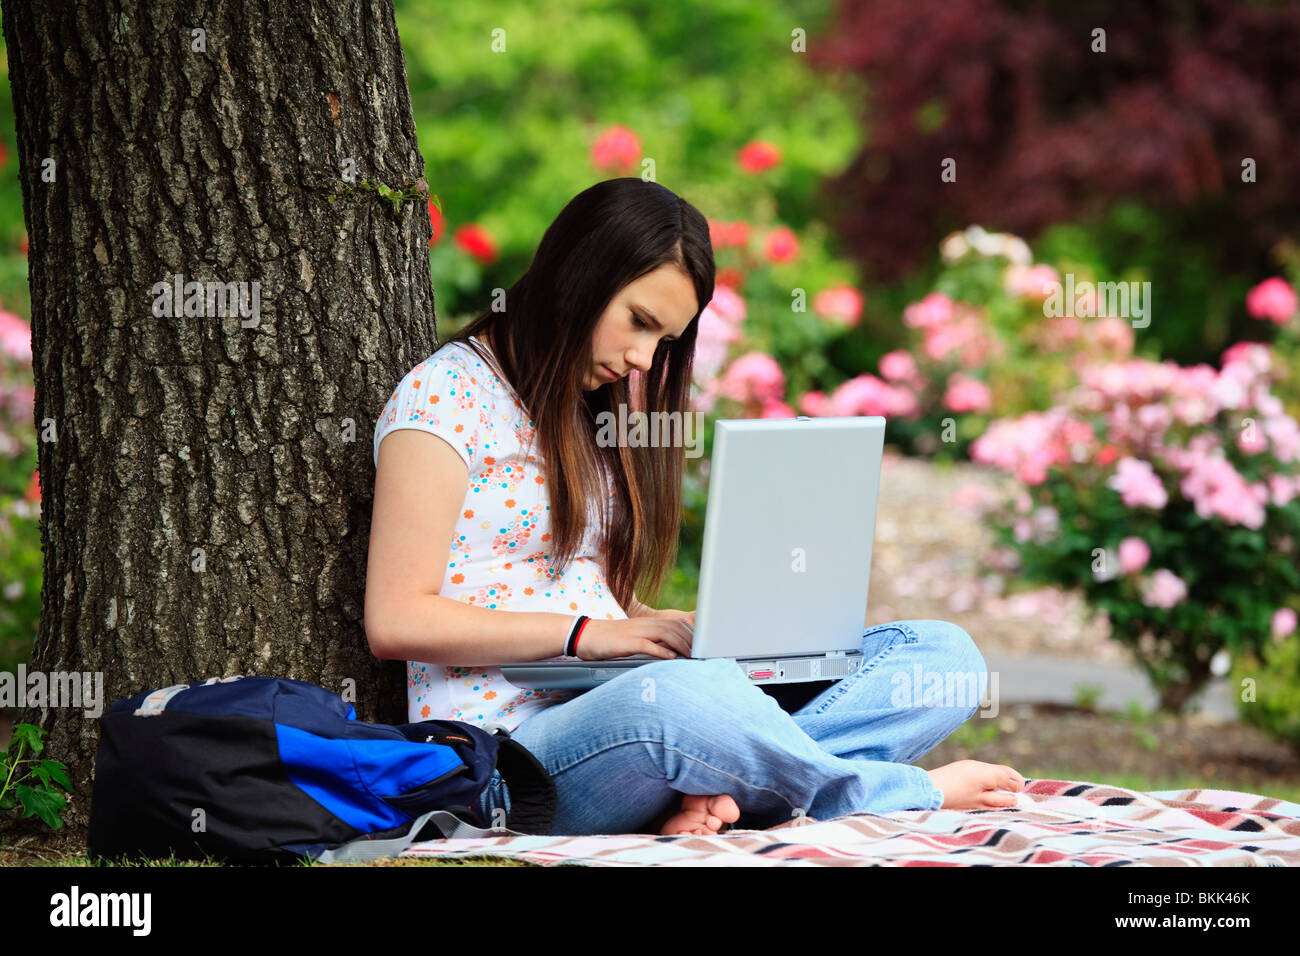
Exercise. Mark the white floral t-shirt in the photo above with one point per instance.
(498, 556)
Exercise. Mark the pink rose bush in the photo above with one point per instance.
(1177, 492)
(981, 343)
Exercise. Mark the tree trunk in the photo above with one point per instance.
(206, 478)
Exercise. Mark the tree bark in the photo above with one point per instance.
(206, 479)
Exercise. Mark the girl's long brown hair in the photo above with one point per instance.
(607, 236)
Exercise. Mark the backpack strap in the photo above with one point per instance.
(364, 850)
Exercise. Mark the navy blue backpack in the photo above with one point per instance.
(257, 769)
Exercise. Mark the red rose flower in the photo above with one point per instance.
(617, 149)
(477, 242)
(757, 156)
(435, 219)
(731, 278)
(781, 245)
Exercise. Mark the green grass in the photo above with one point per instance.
(10, 857)
(974, 734)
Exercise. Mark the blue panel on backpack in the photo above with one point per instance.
(349, 777)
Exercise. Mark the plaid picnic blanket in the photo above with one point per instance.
(1055, 822)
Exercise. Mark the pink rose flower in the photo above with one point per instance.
(1282, 489)
(898, 366)
(754, 377)
(1284, 433)
(15, 337)
(1283, 623)
(863, 395)
(727, 304)
(816, 404)
(1154, 419)
(1111, 335)
(903, 403)
(841, 304)
(940, 340)
(1134, 553)
(966, 394)
(1030, 282)
(1060, 331)
(1217, 489)
(777, 410)
(1027, 446)
(1256, 356)
(1163, 589)
(1272, 299)
(1252, 440)
(935, 309)
(1138, 484)
(717, 330)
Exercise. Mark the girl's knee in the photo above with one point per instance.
(959, 648)
(957, 660)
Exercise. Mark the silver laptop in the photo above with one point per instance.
(788, 530)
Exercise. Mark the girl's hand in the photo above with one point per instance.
(652, 634)
(673, 614)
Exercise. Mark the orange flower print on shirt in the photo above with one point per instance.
(495, 596)
(512, 538)
(424, 711)
(460, 554)
(464, 396)
(597, 588)
(540, 561)
(505, 477)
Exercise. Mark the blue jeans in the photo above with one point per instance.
(627, 750)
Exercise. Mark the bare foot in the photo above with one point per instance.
(701, 815)
(975, 785)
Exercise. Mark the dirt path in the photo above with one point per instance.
(927, 564)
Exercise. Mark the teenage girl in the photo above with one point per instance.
(497, 491)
